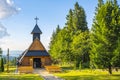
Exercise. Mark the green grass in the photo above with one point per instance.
(12, 76)
(88, 74)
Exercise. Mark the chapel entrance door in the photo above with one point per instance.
(37, 63)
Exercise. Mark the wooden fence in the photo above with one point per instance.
(25, 69)
(53, 68)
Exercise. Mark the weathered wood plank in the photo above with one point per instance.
(53, 68)
(25, 69)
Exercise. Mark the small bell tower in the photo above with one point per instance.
(36, 31)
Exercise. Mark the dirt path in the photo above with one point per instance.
(46, 75)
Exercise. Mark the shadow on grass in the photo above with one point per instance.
(67, 68)
(116, 75)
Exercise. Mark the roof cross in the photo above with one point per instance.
(36, 19)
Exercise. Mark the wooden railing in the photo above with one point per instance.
(25, 69)
(53, 68)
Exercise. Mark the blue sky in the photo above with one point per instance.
(20, 23)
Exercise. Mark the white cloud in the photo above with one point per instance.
(7, 8)
(3, 31)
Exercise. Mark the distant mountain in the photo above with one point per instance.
(14, 53)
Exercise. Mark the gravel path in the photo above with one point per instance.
(46, 75)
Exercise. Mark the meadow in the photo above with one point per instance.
(68, 73)
(88, 74)
(16, 76)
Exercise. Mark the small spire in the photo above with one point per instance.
(36, 19)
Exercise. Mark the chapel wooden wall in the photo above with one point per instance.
(28, 61)
(37, 45)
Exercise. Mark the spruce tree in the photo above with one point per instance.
(61, 46)
(100, 3)
(0, 52)
(80, 26)
(2, 65)
(105, 34)
(53, 48)
(0, 58)
(69, 23)
(79, 18)
(80, 49)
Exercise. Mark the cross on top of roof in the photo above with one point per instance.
(36, 19)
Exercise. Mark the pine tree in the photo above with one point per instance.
(61, 43)
(79, 18)
(69, 23)
(2, 65)
(80, 48)
(100, 3)
(0, 52)
(53, 48)
(66, 40)
(0, 58)
(80, 26)
(116, 21)
(105, 34)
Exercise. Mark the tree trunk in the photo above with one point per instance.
(110, 69)
(77, 63)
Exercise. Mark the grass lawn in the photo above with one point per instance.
(88, 75)
(10, 76)
(13, 76)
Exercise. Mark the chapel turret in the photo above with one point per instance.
(36, 31)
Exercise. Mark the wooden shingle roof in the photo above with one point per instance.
(36, 30)
(37, 53)
(35, 49)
